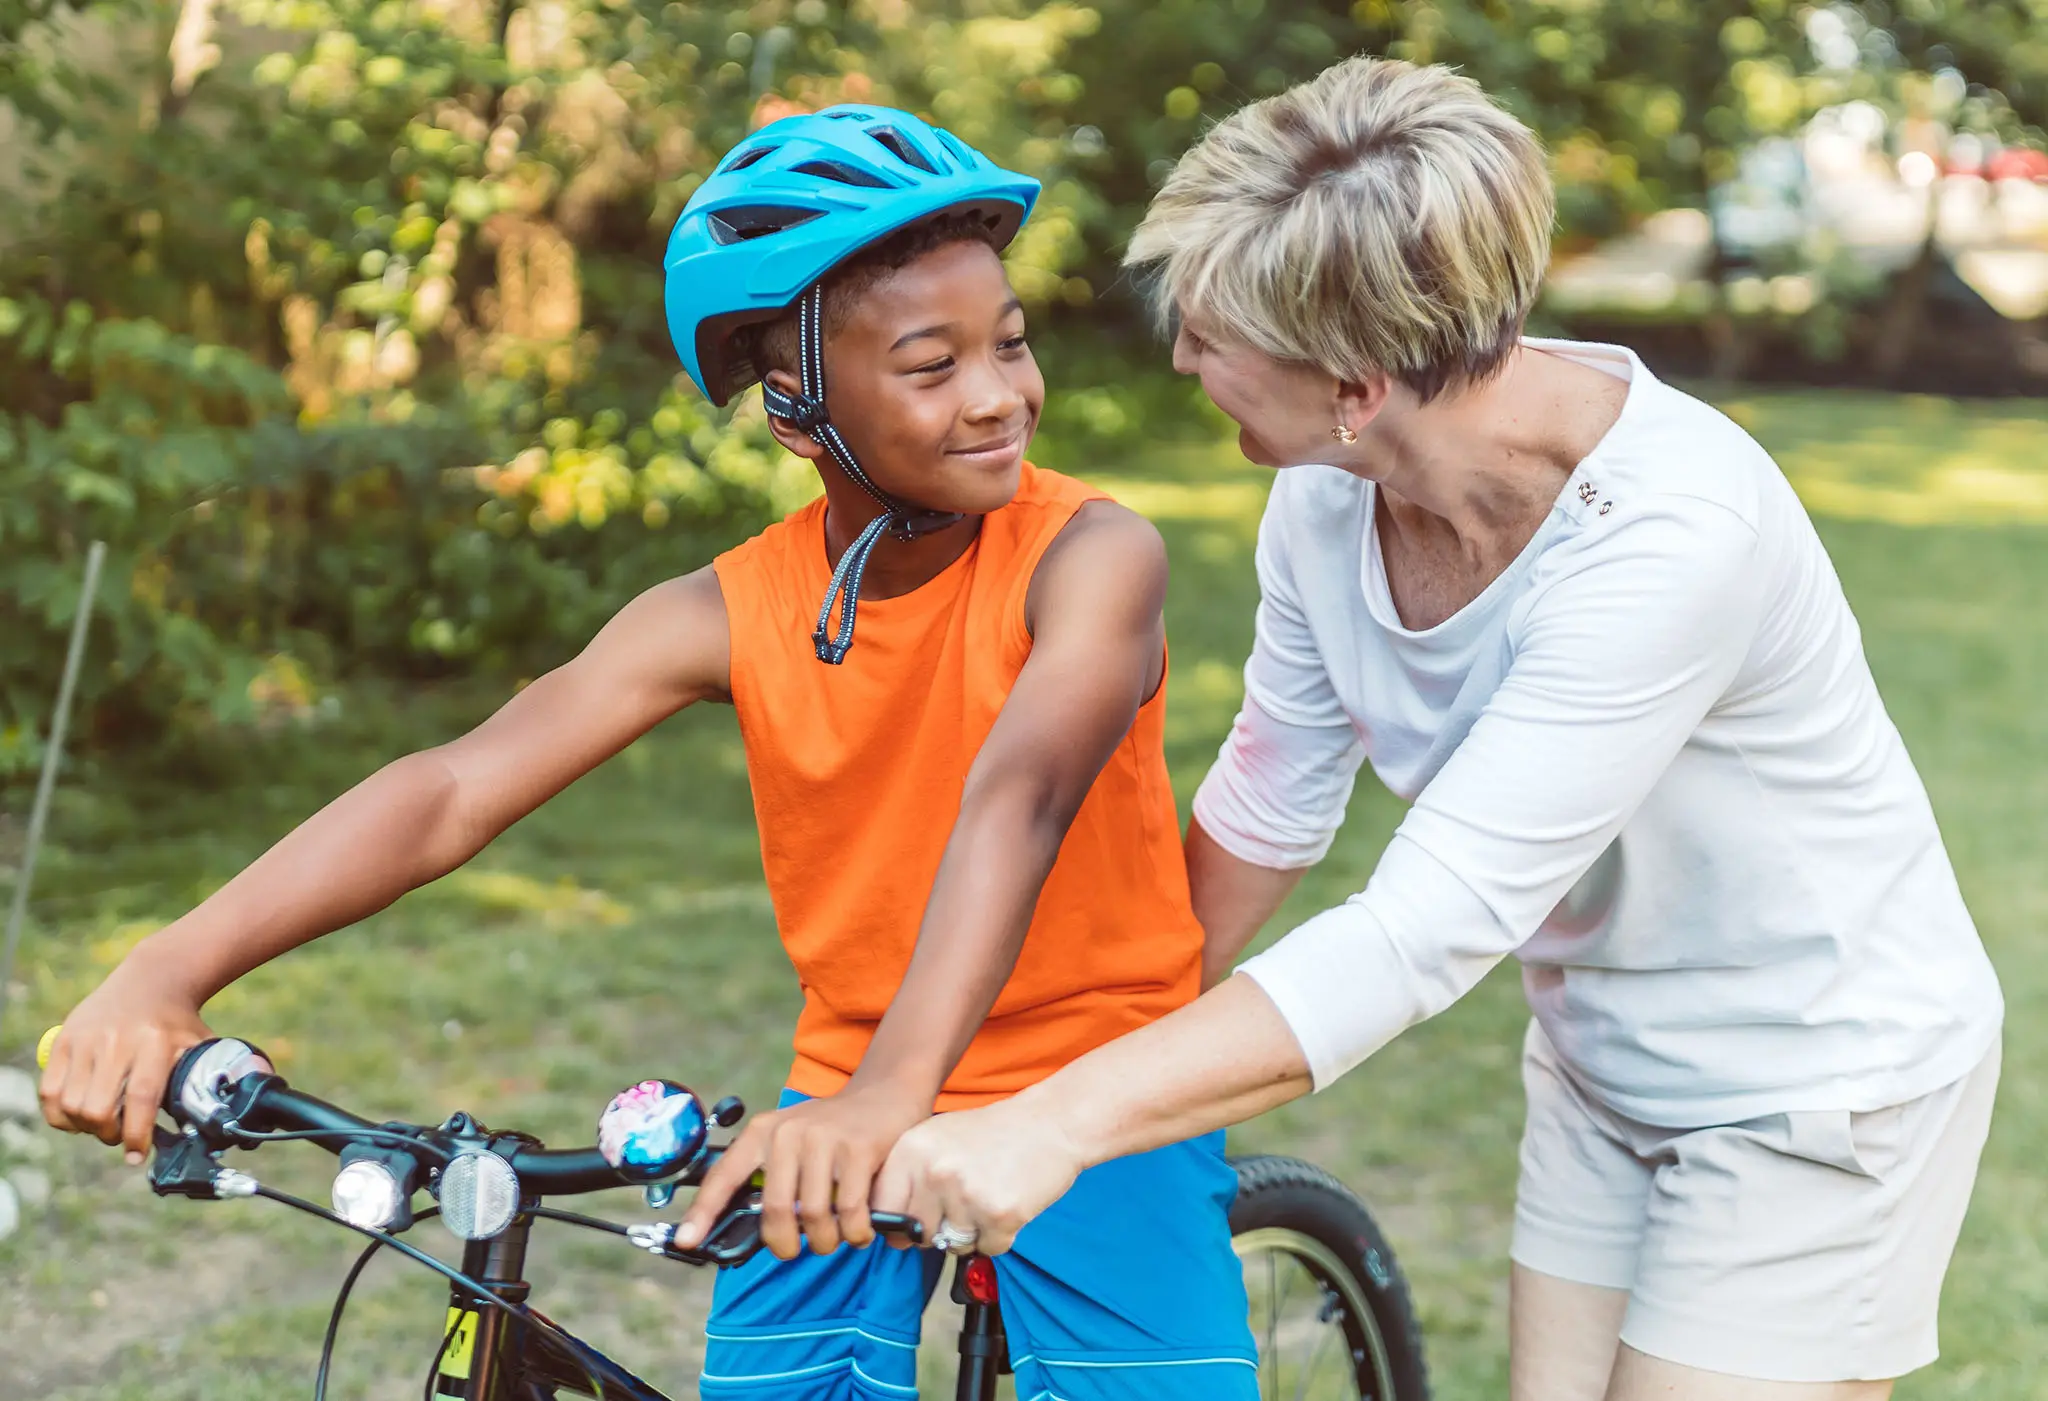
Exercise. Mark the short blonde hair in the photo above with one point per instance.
(1379, 217)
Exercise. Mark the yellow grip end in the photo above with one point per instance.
(44, 1046)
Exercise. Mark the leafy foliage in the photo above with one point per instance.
(340, 320)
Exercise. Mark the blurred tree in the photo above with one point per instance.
(341, 319)
(1977, 66)
(1643, 103)
(251, 338)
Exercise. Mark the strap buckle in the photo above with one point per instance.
(806, 413)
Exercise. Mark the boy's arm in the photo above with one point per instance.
(412, 821)
(1097, 653)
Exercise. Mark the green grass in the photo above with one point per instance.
(623, 931)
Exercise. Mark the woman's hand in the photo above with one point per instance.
(818, 1161)
(110, 1064)
(1223, 1058)
(989, 1171)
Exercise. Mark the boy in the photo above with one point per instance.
(987, 749)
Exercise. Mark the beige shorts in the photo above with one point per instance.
(1800, 1247)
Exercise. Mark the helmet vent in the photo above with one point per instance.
(959, 152)
(898, 147)
(738, 224)
(844, 174)
(748, 158)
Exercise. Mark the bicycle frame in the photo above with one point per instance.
(488, 1355)
(494, 1347)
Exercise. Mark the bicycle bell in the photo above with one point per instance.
(652, 1130)
(207, 1071)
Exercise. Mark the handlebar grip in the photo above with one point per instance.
(46, 1045)
(895, 1223)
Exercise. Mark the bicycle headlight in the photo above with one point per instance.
(366, 1195)
(374, 1187)
(479, 1194)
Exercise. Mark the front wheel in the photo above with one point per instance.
(1329, 1307)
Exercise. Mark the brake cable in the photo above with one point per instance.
(248, 1137)
(348, 1284)
(548, 1213)
(577, 1348)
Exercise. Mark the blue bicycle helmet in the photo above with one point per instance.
(786, 206)
(799, 197)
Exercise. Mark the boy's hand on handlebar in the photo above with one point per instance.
(818, 1160)
(110, 1064)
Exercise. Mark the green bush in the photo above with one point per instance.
(352, 353)
(340, 320)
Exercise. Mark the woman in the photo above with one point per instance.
(1580, 620)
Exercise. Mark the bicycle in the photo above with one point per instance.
(1291, 1220)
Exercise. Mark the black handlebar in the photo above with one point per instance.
(225, 1094)
(548, 1172)
(239, 1100)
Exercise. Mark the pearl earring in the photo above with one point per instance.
(1343, 434)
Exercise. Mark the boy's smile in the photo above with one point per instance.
(932, 384)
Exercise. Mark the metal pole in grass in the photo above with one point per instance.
(40, 812)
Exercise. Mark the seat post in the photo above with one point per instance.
(984, 1350)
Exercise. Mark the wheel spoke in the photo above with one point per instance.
(1308, 1372)
(1272, 1315)
(1345, 1308)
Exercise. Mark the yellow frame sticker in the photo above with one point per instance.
(460, 1332)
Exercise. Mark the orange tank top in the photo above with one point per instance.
(857, 772)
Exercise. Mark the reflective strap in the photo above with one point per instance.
(846, 579)
(806, 409)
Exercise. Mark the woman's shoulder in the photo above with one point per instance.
(1314, 496)
(1314, 523)
(1673, 450)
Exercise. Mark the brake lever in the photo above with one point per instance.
(186, 1165)
(732, 1240)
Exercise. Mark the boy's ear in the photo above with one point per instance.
(787, 433)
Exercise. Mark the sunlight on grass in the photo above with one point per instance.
(1901, 460)
(1188, 501)
(1908, 461)
(561, 900)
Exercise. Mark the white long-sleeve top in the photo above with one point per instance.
(1649, 759)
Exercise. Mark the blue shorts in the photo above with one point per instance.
(1125, 1289)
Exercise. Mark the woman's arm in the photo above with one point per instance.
(1275, 797)
(1233, 899)
(1615, 668)
(1221, 1059)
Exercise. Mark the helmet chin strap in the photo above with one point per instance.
(806, 410)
